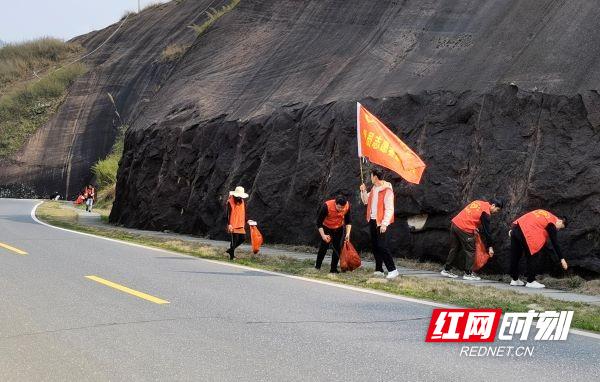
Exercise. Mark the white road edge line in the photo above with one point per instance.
(336, 285)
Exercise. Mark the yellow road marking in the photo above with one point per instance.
(122, 288)
(13, 249)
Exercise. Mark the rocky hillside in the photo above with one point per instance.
(265, 98)
(536, 150)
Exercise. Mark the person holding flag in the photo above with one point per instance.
(334, 214)
(380, 214)
(473, 219)
(533, 233)
(381, 146)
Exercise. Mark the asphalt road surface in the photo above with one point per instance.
(76, 307)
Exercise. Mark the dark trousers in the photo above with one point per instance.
(518, 248)
(236, 240)
(463, 245)
(381, 250)
(336, 244)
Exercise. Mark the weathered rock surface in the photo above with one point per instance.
(267, 53)
(58, 157)
(265, 98)
(536, 150)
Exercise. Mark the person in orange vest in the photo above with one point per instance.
(473, 218)
(334, 214)
(380, 214)
(236, 219)
(90, 197)
(533, 233)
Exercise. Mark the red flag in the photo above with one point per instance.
(379, 145)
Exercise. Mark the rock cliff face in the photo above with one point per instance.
(125, 61)
(535, 150)
(265, 98)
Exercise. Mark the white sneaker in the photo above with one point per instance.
(471, 277)
(448, 274)
(378, 274)
(516, 283)
(535, 285)
(393, 274)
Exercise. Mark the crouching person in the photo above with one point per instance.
(531, 234)
(473, 218)
(334, 214)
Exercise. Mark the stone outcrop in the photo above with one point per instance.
(535, 150)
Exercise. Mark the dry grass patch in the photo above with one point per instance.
(173, 52)
(32, 87)
(52, 212)
(19, 61)
(28, 107)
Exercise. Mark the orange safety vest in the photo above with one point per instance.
(380, 205)
(237, 215)
(469, 218)
(533, 225)
(335, 219)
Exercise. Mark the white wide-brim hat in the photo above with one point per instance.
(239, 192)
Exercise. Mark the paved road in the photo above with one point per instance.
(221, 323)
(94, 220)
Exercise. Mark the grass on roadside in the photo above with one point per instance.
(100, 208)
(105, 171)
(571, 283)
(446, 291)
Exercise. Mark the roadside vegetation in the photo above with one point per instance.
(32, 87)
(586, 316)
(571, 282)
(105, 172)
(214, 15)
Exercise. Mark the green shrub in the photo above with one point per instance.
(214, 15)
(26, 108)
(105, 169)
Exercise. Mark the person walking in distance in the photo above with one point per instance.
(90, 198)
(236, 219)
(380, 214)
(474, 218)
(333, 215)
(532, 234)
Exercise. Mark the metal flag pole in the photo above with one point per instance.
(358, 106)
(362, 178)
